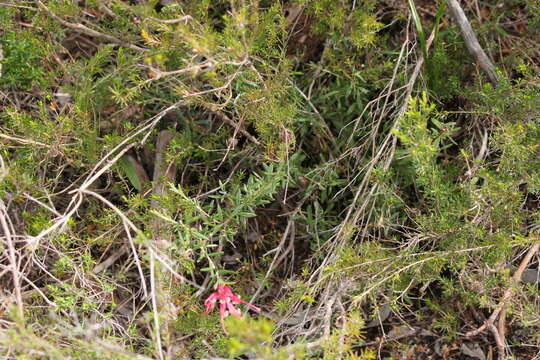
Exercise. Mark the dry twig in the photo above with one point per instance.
(7, 230)
(24, 141)
(237, 126)
(86, 30)
(472, 42)
(499, 332)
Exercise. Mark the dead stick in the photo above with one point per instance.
(472, 42)
(12, 260)
(164, 173)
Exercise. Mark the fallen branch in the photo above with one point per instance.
(472, 42)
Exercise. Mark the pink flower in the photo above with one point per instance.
(226, 304)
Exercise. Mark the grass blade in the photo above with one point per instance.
(419, 28)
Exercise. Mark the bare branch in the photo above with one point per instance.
(472, 42)
(90, 32)
(12, 258)
(164, 309)
(499, 332)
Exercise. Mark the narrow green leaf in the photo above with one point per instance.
(129, 170)
(217, 253)
(419, 28)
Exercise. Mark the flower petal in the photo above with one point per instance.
(234, 311)
(256, 308)
(209, 303)
(227, 301)
(225, 291)
(223, 310)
